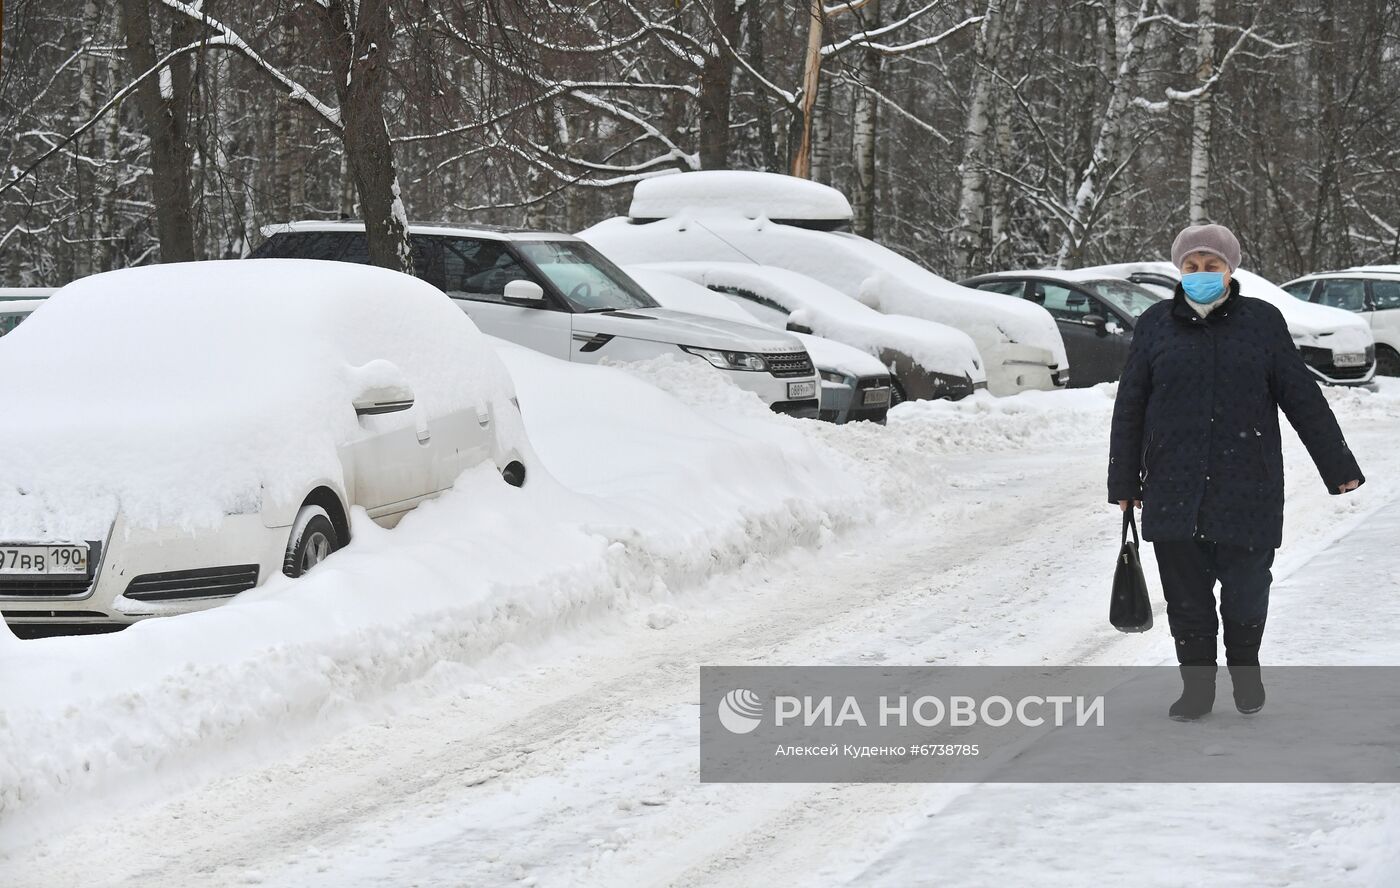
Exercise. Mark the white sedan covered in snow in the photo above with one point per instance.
(175, 434)
(781, 221)
(928, 360)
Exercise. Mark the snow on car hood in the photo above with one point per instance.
(1002, 327)
(178, 393)
(832, 314)
(683, 328)
(1311, 324)
(677, 292)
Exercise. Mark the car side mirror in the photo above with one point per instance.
(382, 389)
(1098, 322)
(525, 293)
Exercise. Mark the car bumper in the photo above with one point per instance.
(846, 402)
(144, 573)
(1344, 376)
(777, 389)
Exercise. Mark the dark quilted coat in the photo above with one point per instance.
(1195, 426)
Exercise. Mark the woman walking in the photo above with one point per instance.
(1195, 444)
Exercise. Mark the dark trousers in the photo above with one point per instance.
(1189, 569)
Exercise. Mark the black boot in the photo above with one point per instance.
(1197, 658)
(1242, 659)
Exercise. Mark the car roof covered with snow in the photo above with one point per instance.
(1379, 272)
(439, 229)
(739, 192)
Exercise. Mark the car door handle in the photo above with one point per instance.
(483, 419)
(424, 436)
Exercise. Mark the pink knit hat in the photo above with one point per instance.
(1215, 239)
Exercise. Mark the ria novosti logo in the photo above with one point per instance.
(740, 711)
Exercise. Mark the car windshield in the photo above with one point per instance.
(586, 278)
(1129, 298)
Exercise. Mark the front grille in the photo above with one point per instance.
(54, 585)
(873, 382)
(213, 582)
(785, 364)
(1344, 372)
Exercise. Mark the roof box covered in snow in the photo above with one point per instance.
(785, 199)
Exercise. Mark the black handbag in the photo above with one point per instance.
(1131, 607)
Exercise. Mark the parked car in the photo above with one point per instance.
(785, 222)
(176, 434)
(1373, 292)
(1337, 346)
(927, 360)
(556, 294)
(855, 386)
(1096, 314)
(17, 303)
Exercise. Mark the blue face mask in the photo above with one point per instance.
(1203, 286)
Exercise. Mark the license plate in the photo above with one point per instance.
(875, 398)
(1348, 360)
(798, 391)
(32, 560)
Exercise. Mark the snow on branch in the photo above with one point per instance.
(868, 36)
(227, 38)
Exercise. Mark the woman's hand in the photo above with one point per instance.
(1350, 485)
(1123, 504)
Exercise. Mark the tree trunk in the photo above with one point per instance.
(86, 181)
(164, 103)
(716, 78)
(969, 248)
(819, 169)
(811, 77)
(1201, 115)
(864, 129)
(355, 36)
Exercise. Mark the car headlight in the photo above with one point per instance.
(728, 360)
(833, 376)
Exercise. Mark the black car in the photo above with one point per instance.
(1095, 315)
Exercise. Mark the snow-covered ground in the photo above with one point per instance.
(504, 689)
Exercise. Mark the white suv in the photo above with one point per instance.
(1371, 291)
(556, 294)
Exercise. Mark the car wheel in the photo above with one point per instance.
(1387, 361)
(313, 539)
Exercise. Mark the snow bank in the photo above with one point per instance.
(746, 193)
(1311, 324)
(179, 393)
(639, 496)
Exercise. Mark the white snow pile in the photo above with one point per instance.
(179, 393)
(656, 497)
(1311, 324)
(834, 315)
(747, 193)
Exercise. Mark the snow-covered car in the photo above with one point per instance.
(1096, 314)
(928, 360)
(1337, 346)
(176, 434)
(556, 294)
(782, 221)
(18, 303)
(855, 385)
(1371, 291)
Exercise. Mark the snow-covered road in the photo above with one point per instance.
(573, 760)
